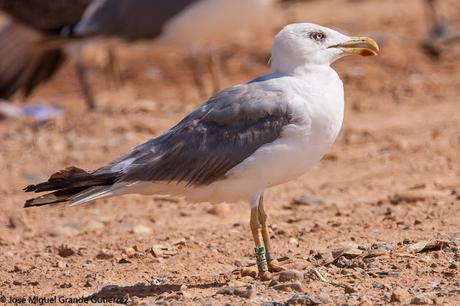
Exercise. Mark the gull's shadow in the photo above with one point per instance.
(142, 290)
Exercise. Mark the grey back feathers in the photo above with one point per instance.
(209, 142)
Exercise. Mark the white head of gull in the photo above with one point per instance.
(243, 140)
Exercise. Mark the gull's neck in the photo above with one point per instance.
(302, 71)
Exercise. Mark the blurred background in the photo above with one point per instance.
(82, 83)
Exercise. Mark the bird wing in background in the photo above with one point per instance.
(129, 19)
(45, 15)
(26, 59)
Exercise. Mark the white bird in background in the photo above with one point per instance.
(243, 140)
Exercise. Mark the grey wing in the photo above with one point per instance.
(209, 142)
(129, 19)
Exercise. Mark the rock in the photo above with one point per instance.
(141, 229)
(400, 296)
(307, 201)
(104, 254)
(290, 276)
(179, 242)
(293, 241)
(295, 286)
(162, 251)
(384, 246)
(302, 299)
(220, 209)
(245, 292)
(421, 300)
(414, 195)
(61, 264)
(427, 245)
(349, 289)
(65, 251)
(249, 271)
(130, 252)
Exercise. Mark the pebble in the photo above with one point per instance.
(246, 292)
(307, 201)
(295, 286)
(249, 271)
(61, 264)
(421, 300)
(384, 246)
(290, 275)
(141, 229)
(104, 254)
(293, 241)
(129, 251)
(220, 209)
(302, 299)
(416, 195)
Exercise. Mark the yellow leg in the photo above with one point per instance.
(262, 266)
(273, 265)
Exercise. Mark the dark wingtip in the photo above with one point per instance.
(29, 203)
(30, 188)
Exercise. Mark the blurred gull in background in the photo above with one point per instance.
(31, 43)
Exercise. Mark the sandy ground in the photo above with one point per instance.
(385, 231)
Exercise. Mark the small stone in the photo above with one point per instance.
(295, 286)
(238, 263)
(302, 299)
(308, 201)
(349, 289)
(18, 268)
(104, 254)
(421, 300)
(17, 283)
(290, 276)
(246, 292)
(293, 241)
(249, 271)
(129, 251)
(399, 296)
(220, 209)
(61, 264)
(384, 246)
(141, 229)
(180, 242)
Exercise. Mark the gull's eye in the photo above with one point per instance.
(318, 36)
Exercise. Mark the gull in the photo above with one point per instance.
(243, 140)
(32, 43)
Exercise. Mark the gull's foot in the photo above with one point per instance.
(266, 276)
(274, 266)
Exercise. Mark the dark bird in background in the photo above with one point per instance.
(31, 45)
(440, 32)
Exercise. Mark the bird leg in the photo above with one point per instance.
(193, 62)
(273, 265)
(83, 80)
(262, 266)
(113, 66)
(215, 66)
